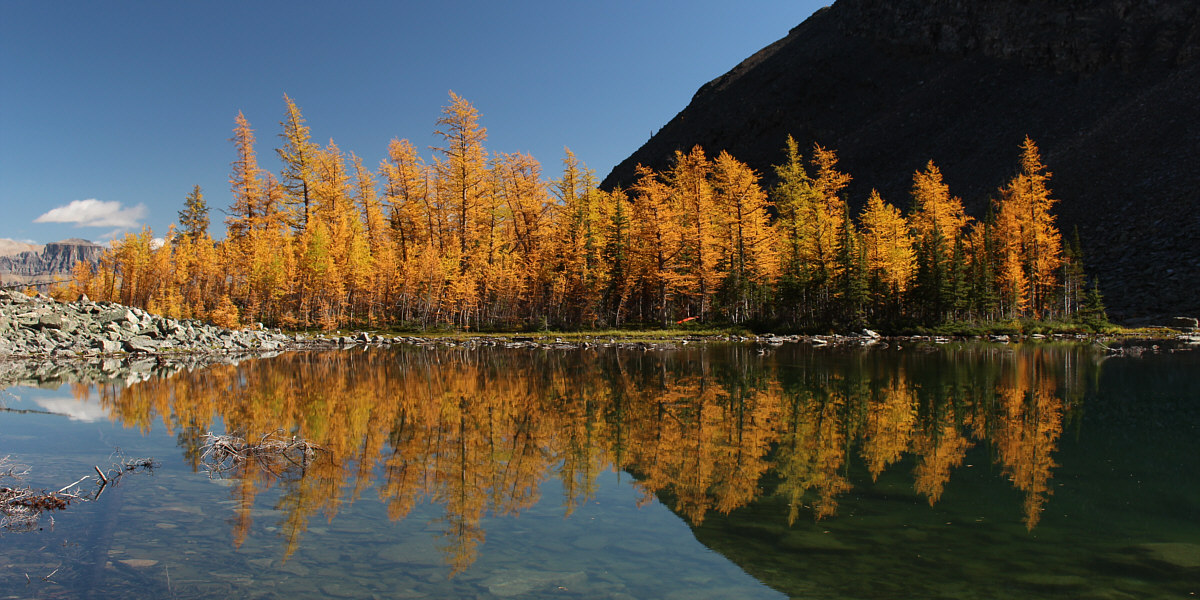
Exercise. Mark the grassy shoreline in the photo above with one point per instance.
(653, 334)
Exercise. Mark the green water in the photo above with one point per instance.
(939, 471)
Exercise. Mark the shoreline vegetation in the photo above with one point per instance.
(36, 328)
(473, 241)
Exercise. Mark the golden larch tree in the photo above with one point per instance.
(933, 208)
(462, 173)
(749, 251)
(415, 220)
(297, 158)
(891, 258)
(692, 194)
(1026, 235)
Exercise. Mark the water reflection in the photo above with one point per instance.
(477, 432)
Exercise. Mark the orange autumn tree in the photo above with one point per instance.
(933, 208)
(461, 186)
(937, 220)
(579, 275)
(480, 239)
(812, 216)
(1029, 243)
(749, 253)
(244, 217)
(297, 158)
(656, 241)
(891, 257)
(698, 223)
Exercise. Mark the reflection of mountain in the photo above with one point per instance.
(477, 432)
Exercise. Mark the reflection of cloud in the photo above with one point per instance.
(76, 410)
(94, 213)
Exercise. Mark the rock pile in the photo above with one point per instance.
(41, 326)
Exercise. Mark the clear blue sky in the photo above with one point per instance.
(130, 104)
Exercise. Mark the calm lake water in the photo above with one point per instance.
(724, 471)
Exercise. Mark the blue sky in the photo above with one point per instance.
(111, 111)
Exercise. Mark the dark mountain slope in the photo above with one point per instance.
(1109, 90)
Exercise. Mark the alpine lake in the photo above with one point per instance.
(681, 471)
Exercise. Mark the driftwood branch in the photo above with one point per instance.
(22, 507)
(275, 452)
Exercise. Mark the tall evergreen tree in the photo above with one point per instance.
(1092, 312)
(852, 278)
(193, 219)
(890, 253)
(1073, 276)
(748, 242)
(958, 298)
(932, 287)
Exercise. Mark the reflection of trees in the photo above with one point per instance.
(812, 453)
(1029, 422)
(477, 432)
(890, 423)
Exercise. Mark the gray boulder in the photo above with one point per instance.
(141, 343)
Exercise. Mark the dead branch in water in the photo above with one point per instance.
(21, 507)
(275, 452)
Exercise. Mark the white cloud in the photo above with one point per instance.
(94, 213)
(76, 410)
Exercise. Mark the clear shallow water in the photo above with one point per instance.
(974, 471)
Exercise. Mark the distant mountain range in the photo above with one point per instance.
(23, 263)
(1108, 89)
(10, 247)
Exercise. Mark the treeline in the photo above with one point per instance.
(484, 241)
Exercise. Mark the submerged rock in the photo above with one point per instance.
(139, 563)
(520, 582)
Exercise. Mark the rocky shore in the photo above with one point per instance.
(113, 337)
(39, 326)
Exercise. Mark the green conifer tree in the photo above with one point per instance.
(1074, 280)
(929, 295)
(1092, 312)
(853, 290)
(958, 296)
(193, 219)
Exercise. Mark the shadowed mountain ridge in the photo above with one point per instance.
(1106, 88)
